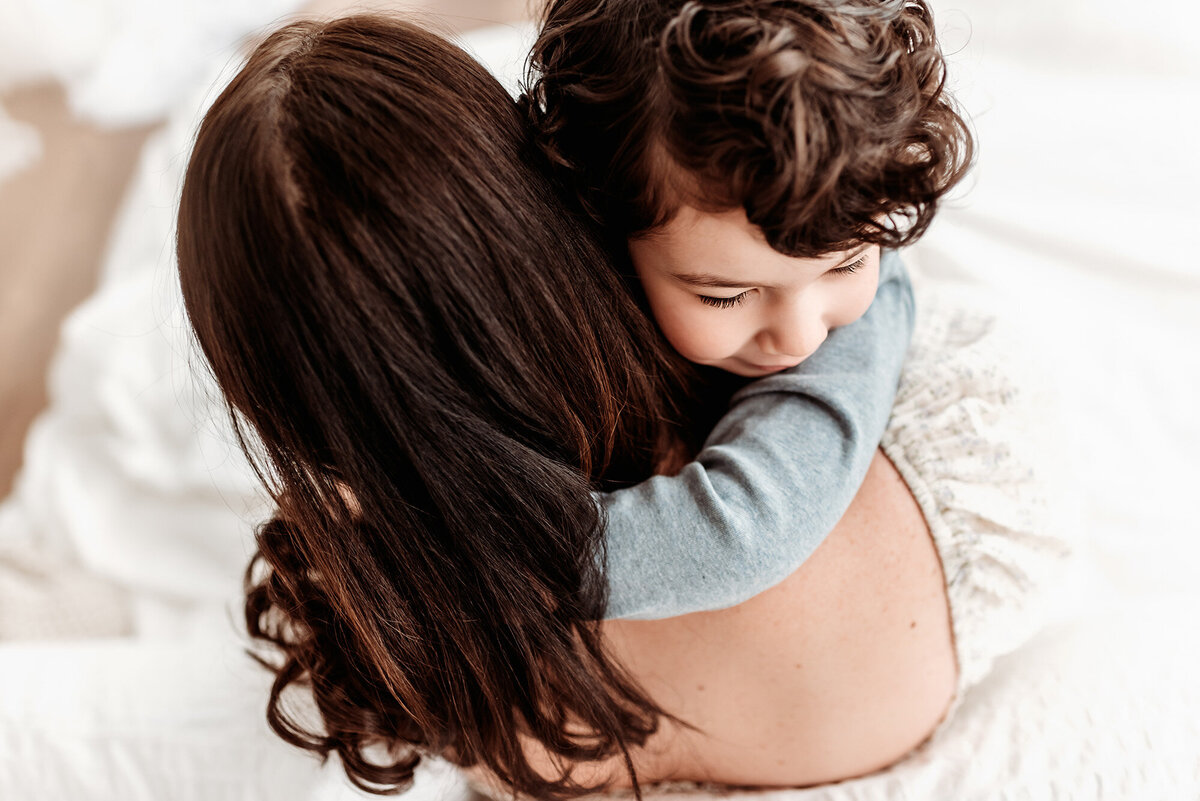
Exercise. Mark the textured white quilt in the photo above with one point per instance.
(1081, 218)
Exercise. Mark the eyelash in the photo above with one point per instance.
(723, 303)
(851, 268)
(737, 300)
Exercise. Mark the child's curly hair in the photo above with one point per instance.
(827, 121)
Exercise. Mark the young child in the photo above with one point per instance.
(762, 159)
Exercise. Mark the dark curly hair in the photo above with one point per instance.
(827, 121)
(432, 364)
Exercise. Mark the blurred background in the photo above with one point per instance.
(82, 85)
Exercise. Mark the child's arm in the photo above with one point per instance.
(775, 475)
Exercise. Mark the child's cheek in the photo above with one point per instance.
(695, 330)
(856, 303)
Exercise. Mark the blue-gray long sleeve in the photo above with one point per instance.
(773, 478)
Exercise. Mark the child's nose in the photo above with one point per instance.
(795, 335)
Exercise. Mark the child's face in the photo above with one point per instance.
(724, 297)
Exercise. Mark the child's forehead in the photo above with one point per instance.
(722, 247)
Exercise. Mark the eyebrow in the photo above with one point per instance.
(710, 280)
(717, 282)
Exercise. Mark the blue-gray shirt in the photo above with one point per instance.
(773, 478)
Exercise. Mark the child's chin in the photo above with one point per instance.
(748, 369)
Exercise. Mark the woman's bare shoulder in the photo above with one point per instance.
(839, 670)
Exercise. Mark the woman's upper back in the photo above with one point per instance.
(839, 670)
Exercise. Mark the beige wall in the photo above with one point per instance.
(54, 219)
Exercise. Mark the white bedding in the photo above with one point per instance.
(1082, 210)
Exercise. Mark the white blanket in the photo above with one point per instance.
(1082, 208)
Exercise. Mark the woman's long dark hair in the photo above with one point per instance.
(432, 364)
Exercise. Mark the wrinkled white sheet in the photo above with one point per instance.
(122, 62)
(1082, 209)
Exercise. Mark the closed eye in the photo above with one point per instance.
(853, 267)
(723, 303)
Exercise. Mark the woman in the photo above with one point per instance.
(433, 364)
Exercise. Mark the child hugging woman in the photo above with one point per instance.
(486, 547)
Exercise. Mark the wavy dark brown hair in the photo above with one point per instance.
(432, 364)
(827, 121)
